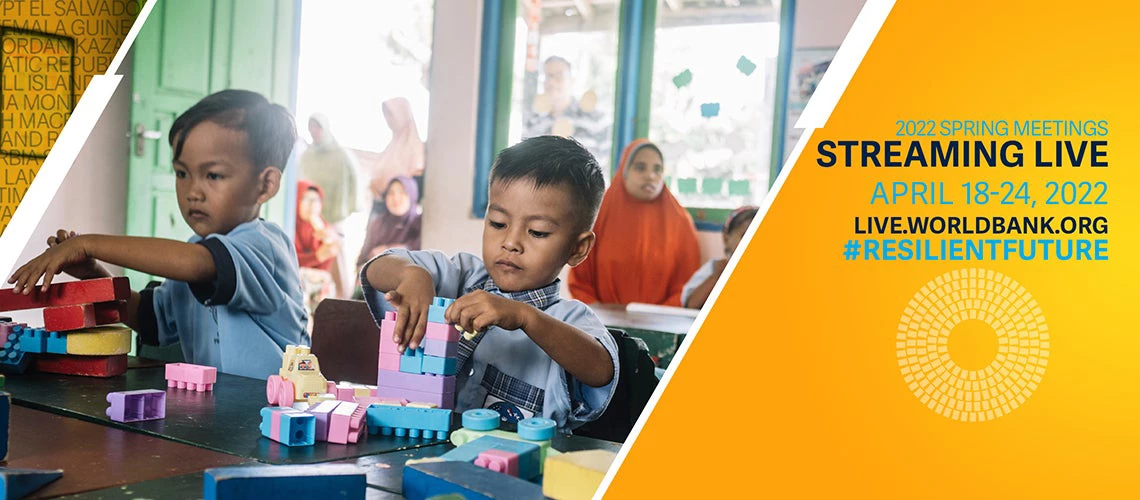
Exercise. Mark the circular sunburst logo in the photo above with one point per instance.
(972, 345)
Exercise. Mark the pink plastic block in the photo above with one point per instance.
(322, 411)
(370, 400)
(443, 349)
(416, 382)
(500, 461)
(191, 377)
(442, 400)
(389, 362)
(387, 329)
(346, 423)
(442, 331)
(344, 393)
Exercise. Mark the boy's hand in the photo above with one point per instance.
(84, 271)
(480, 310)
(57, 258)
(411, 299)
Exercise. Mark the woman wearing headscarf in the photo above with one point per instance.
(646, 243)
(317, 245)
(332, 167)
(404, 154)
(395, 220)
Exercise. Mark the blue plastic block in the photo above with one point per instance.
(428, 479)
(406, 421)
(294, 428)
(530, 454)
(285, 481)
(436, 309)
(56, 342)
(31, 339)
(438, 365)
(13, 359)
(412, 361)
(19, 483)
(5, 409)
(537, 428)
(481, 419)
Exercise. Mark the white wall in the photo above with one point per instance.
(449, 174)
(93, 196)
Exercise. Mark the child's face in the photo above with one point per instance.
(645, 175)
(396, 199)
(530, 234)
(216, 183)
(732, 239)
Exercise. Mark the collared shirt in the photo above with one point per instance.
(242, 320)
(507, 371)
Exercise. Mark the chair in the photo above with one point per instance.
(637, 380)
(346, 340)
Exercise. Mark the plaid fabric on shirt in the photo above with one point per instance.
(497, 383)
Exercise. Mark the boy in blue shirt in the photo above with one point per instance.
(538, 355)
(232, 294)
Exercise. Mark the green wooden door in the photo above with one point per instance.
(187, 50)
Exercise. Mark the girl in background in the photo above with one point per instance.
(697, 290)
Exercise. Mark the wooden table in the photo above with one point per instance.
(95, 456)
(663, 333)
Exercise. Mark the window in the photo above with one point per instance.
(712, 101)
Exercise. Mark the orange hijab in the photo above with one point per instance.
(646, 251)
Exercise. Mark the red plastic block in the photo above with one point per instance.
(67, 318)
(84, 366)
(501, 461)
(107, 313)
(69, 293)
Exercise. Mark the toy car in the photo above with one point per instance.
(299, 377)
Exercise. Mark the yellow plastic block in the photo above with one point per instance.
(100, 341)
(575, 474)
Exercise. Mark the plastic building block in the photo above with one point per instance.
(501, 461)
(416, 382)
(442, 400)
(298, 379)
(107, 313)
(321, 412)
(437, 308)
(481, 419)
(409, 421)
(345, 481)
(65, 318)
(442, 332)
(5, 410)
(84, 366)
(390, 362)
(438, 365)
(68, 294)
(441, 348)
(575, 475)
(428, 479)
(191, 377)
(288, 426)
(346, 423)
(537, 429)
(387, 331)
(136, 406)
(19, 483)
(412, 361)
(38, 340)
(99, 341)
(529, 454)
(13, 359)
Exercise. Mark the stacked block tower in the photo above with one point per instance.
(425, 374)
(80, 334)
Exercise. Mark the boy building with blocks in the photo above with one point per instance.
(232, 294)
(538, 354)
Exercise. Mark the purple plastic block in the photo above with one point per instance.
(322, 411)
(136, 406)
(416, 382)
(443, 400)
(440, 348)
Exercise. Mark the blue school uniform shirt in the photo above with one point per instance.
(504, 369)
(241, 321)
